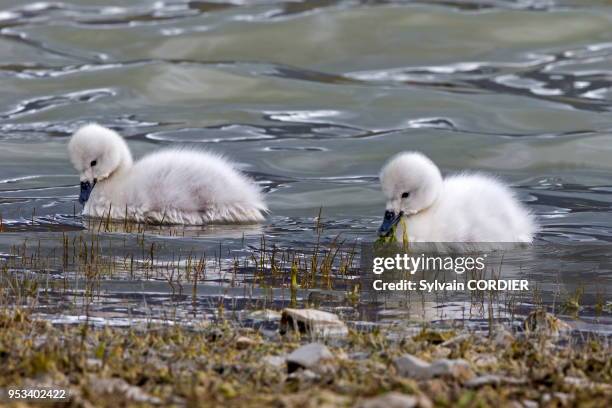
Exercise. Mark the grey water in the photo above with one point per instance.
(310, 97)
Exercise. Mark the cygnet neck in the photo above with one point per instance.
(124, 166)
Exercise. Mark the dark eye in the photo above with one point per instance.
(405, 195)
(93, 163)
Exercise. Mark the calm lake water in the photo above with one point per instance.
(311, 97)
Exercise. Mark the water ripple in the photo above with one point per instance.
(36, 131)
(42, 103)
(535, 77)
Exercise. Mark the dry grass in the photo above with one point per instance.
(208, 366)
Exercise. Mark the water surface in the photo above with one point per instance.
(311, 97)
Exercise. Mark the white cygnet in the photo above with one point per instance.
(459, 208)
(171, 186)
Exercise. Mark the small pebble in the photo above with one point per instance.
(243, 343)
(275, 361)
(308, 356)
(312, 322)
(493, 379)
(413, 367)
(390, 400)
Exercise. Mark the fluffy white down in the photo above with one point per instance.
(173, 186)
(459, 208)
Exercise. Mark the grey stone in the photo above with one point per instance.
(413, 367)
(308, 356)
(390, 400)
(530, 403)
(275, 361)
(456, 340)
(304, 375)
(312, 322)
(493, 379)
(359, 355)
(449, 367)
(561, 397)
(586, 383)
(112, 386)
(244, 342)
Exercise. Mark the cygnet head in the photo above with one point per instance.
(411, 183)
(97, 153)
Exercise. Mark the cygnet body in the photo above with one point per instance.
(171, 186)
(459, 208)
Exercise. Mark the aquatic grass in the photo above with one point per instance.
(91, 254)
(571, 305)
(601, 306)
(328, 272)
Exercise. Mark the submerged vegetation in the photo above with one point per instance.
(129, 251)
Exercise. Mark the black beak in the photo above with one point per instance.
(86, 188)
(389, 222)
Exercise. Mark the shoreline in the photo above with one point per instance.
(225, 364)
